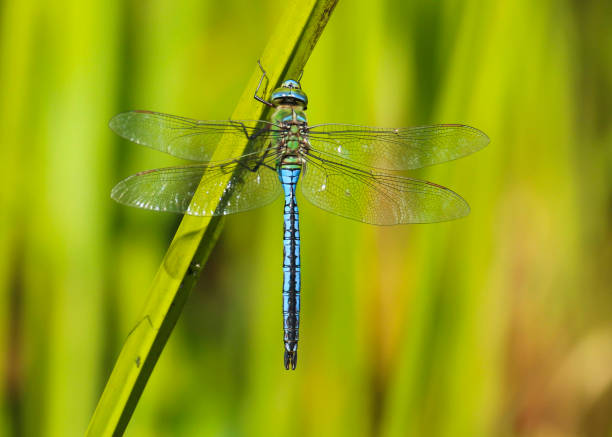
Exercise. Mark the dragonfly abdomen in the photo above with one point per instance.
(289, 175)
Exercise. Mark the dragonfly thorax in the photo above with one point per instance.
(292, 143)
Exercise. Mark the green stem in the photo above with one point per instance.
(299, 28)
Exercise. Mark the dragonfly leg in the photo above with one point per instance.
(262, 160)
(255, 96)
(258, 164)
(246, 133)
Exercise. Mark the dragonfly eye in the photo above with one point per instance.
(289, 96)
(289, 93)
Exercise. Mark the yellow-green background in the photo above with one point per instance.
(499, 324)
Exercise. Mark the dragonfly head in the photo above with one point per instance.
(289, 93)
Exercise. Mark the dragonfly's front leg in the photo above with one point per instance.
(246, 132)
(255, 96)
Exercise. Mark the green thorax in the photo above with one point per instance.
(290, 142)
(289, 102)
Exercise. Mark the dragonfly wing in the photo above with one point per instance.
(173, 189)
(186, 138)
(396, 149)
(378, 198)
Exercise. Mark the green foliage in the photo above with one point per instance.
(497, 324)
(286, 54)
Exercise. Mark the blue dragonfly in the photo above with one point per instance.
(346, 169)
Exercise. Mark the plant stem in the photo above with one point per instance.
(285, 56)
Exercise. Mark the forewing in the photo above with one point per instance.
(377, 198)
(185, 138)
(172, 189)
(395, 149)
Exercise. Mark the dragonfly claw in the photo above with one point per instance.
(290, 357)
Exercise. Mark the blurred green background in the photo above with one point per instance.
(499, 324)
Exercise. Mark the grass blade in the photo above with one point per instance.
(286, 53)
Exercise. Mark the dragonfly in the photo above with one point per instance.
(346, 169)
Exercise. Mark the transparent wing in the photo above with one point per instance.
(396, 149)
(186, 138)
(377, 198)
(254, 184)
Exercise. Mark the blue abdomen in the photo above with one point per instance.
(291, 264)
